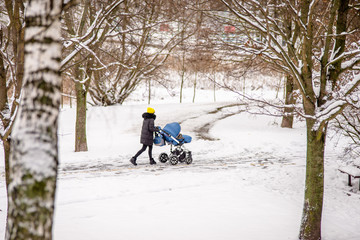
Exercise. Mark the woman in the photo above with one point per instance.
(147, 135)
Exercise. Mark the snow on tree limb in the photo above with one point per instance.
(349, 64)
(316, 88)
(91, 35)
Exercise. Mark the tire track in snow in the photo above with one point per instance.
(121, 166)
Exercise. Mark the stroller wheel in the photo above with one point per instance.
(163, 157)
(174, 160)
(188, 158)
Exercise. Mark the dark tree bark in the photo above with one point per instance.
(8, 104)
(314, 190)
(6, 145)
(80, 131)
(288, 118)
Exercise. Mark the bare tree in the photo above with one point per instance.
(83, 37)
(144, 35)
(110, 50)
(322, 57)
(34, 150)
(11, 69)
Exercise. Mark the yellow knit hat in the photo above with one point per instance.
(150, 110)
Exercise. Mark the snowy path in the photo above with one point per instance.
(200, 130)
(199, 125)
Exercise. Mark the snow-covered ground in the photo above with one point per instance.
(246, 182)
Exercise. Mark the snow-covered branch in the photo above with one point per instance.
(91, 35)
(349, 64)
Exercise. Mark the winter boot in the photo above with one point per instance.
(152, 161)
(133, 161)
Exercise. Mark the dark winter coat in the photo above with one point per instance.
(148, 129)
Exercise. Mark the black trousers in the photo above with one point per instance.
(143, 149)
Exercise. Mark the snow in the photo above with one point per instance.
(357, 162)
(247, 184)
(353, 171)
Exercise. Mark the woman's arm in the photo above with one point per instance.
(152, 126)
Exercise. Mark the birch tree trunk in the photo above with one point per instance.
(34, 149)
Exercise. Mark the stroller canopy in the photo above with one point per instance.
(173, 129)
(170, 134)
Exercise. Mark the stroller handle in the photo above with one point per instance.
(169, 135)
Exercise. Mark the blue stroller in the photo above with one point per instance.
(171, 135)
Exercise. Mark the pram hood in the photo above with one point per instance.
(172, 129)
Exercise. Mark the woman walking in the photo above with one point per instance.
(147, 135)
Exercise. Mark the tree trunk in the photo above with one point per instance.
(149, 97)
(214, 87)
(314, 186)
(244, 86)
(288, 118)
(20, 60)
(182, 75)
(341, 27)
(182, 85)
(4, 107)
(6, 144)
(34, 148)
(17, 34)
(62, 96)
(80, 128)
(195, 82)
(3, 88)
